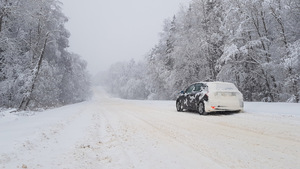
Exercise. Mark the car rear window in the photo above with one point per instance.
(222, 87)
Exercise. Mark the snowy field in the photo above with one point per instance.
(110, 133)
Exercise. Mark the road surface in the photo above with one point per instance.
(111, 133)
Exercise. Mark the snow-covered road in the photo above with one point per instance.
(119, 134)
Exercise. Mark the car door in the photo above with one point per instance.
(194, 96)
(193, 100)
(198, 92)
(190, 97)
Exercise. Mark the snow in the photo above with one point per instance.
(110, 133)
(230, 51)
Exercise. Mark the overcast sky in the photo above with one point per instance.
(106, 31)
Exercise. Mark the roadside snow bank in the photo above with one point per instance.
(287, 109)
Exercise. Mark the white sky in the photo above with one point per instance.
(106, 31)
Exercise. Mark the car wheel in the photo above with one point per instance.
(178, 106)
(201, 109)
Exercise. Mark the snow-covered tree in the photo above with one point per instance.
(33, 42)
(126, 80)
(252, 43)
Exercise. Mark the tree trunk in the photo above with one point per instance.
(280, 23)
(296, 90)
(1, 21)
(269, 89)
(26, 100)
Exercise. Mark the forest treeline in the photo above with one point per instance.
(252, 43)
(36, 70)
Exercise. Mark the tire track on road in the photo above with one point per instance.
(250, 140)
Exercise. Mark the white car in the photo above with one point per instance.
(206, 97)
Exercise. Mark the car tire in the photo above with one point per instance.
(201, 109)
(179, 106)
